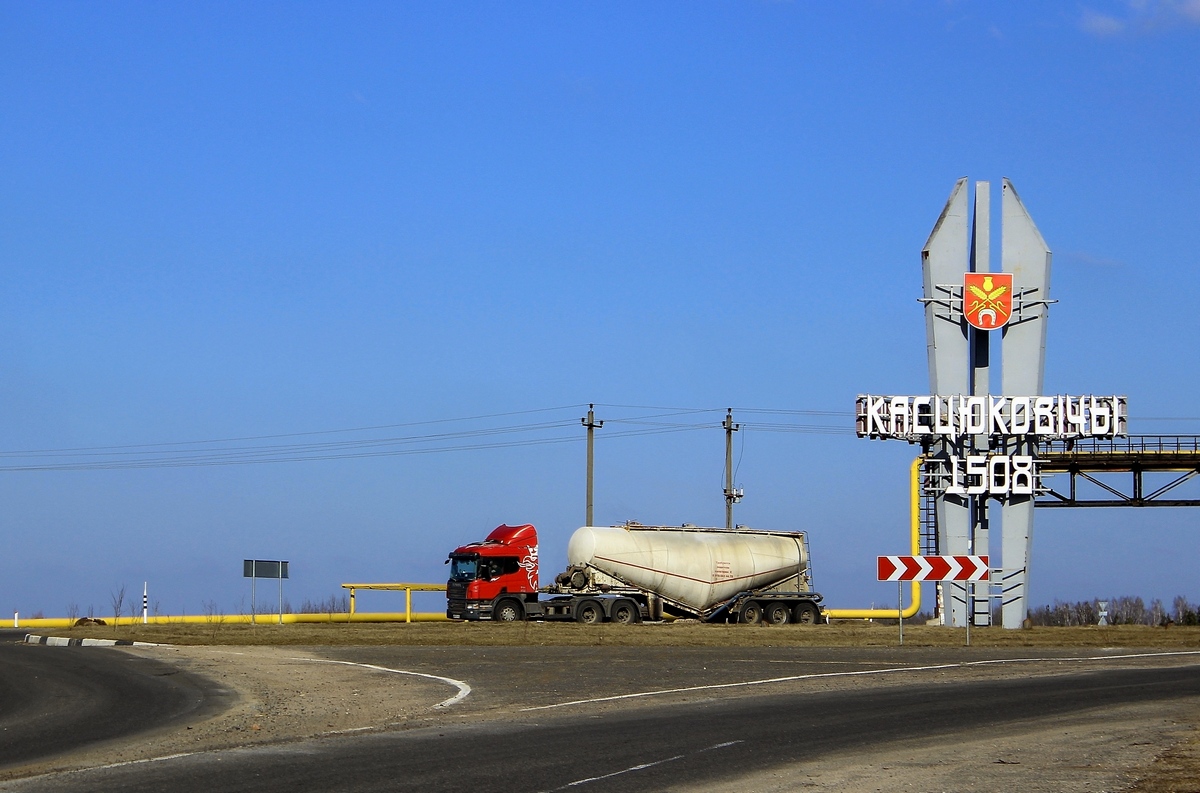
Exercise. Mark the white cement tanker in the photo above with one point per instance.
(741, 575)
(696, 568)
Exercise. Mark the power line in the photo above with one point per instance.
(297, 434)
(681, 410)
(288, 454)
(119, 450)
(242, 450)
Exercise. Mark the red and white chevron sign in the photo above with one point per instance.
(933, 568)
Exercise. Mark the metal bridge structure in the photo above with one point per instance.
(1170, 461)
(1173, 456)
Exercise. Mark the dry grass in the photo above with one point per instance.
(1174, 771)
(679, 634)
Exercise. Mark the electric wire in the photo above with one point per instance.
(319, 445)
(250, 457)
(302, 434)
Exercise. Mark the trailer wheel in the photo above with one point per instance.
(807, 614)
(752, 613)
(589, 612)
(778, 614)
(625, 612)
(508, 610)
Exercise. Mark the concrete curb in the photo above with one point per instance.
(62, 641)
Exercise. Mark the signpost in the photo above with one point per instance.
(258, 568)
(931, 568)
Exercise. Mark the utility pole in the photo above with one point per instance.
(592, 425)
(731, 496)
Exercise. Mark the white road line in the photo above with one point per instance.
(349, 730)
(858, 673)
(640, 767)
(127, 762)
(463, 688)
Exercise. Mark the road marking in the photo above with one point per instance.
(463, 688)
(349, 730)
(640, 767)
(128, 762)
(858, 673)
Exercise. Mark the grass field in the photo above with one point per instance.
(680, 634)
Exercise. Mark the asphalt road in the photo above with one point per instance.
(652, 747)
(55, 700)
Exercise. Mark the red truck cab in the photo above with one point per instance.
(496, 578)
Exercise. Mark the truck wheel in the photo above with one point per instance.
(751, 613)
(508, 610)
(589, 612)
(625, 612)
(778, 614)
(807, 614)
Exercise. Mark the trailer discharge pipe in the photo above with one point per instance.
(914, 518)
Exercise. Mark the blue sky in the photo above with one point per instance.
(229, 221)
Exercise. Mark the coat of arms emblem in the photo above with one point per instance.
(987, 299)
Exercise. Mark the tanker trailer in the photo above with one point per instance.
(631, 573)
(741, 575)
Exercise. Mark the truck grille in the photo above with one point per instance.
(456, 599)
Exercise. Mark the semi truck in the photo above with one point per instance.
(634, 573)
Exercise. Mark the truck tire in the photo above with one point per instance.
(752, 613)
(625, 612)
(778, 613)
(508, 610)
(807, 614)
(589, 612)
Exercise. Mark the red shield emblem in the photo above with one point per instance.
(987, 299)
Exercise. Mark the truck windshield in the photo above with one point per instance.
(464, 568)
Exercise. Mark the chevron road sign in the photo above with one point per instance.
(933, 568)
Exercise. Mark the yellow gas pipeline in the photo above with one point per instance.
(408, 615)
(915, 523)
(244, 619)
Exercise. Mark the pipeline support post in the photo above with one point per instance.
(408, 605)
